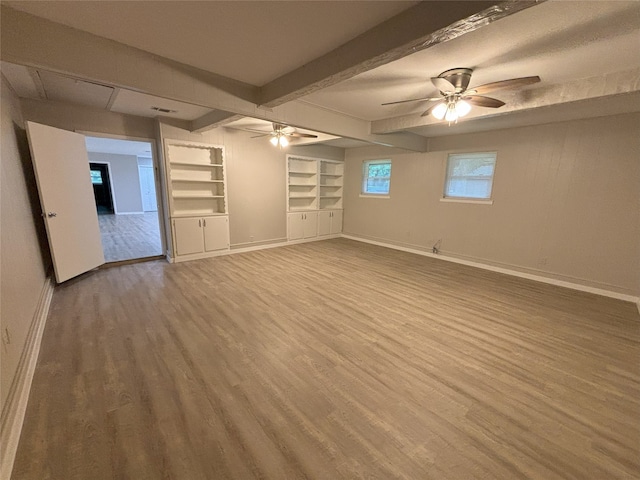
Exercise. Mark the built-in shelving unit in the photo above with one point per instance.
(197, 199)
(314, 197)
(196, 179)
(331, 184)
(302, 183)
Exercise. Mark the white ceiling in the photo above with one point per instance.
(559, 41)
(249, 41)
(562, 41)
(117, 146)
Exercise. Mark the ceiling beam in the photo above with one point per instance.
(38, 43)
(417, 28)
(591, 88)
(213, 119)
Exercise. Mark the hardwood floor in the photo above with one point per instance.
(331, 360)
(125, 237)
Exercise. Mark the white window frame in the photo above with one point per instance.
(470, 155)
(365, 177)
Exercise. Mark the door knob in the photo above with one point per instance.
(52, 214)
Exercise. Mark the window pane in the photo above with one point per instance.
(470, 175)
(376, 177)
(96, 177)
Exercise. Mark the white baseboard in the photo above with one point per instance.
(507, 271)
(16, 405)
(129, 213)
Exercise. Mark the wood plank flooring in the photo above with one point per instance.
(331, 360)
(126, 237)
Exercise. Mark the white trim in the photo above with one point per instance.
(132, 213)
(488, 201)
(373, 195)
(16, 404)
(507, 271)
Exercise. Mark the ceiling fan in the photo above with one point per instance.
(456, 98)
(281, 133)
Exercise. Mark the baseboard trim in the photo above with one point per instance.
(16, 405)
(506, 271)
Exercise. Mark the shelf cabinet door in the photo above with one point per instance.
(310, 225)
(324, 223)
(296, 226)
(216, 233)
(336, 222)
(188, 235)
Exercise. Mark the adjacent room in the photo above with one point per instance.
(334, 239)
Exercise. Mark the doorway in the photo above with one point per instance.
(125, 183)
(101, 188)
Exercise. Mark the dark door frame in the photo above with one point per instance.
(108, 185)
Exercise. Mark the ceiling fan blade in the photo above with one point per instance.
(428, 111)
(301, 135)
(443, 85)
(263, 135)
(481, 101)
(425, 99)
(511, 83)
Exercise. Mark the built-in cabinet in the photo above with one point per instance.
(329, 222)
(302, 225)
(314, 197)
(197, 199)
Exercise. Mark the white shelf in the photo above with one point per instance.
(308, 174)
(330, 175)
(196, 164)
(302, 196)
(330, 196)
(188, 180)
(197, 213)
(191, 196)
(310, 185)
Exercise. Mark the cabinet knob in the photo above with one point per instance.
(52, 214)
(199, 223)
(204, 222)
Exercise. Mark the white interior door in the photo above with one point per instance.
(148, 189)
(61, 166)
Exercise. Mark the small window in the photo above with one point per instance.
(470, 175)
(376, 177)
(96, 177)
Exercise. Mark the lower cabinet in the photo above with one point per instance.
(200, 235)
(329, 222)
(302, 225)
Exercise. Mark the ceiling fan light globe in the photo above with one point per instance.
(283, 141)
(439, 111)
(462, 108)
(274, 141)
(451, 115)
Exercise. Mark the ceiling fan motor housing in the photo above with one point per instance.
(458, 77)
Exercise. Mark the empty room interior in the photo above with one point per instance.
(322, 240)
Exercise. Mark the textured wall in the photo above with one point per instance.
(566, 201)
(24, 257)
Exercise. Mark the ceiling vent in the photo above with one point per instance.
(163, 110)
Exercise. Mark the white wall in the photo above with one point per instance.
(125, 180)
(256, 180)
(566, 201)
(24, 258)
